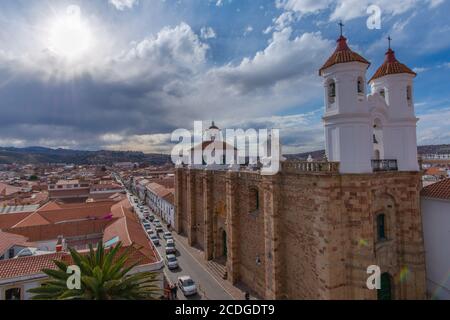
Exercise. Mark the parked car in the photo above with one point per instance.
(155, 239)
(167, 235)
(151, 218)
(159, 229)
(170, 241)
(150, 231)
(171, 262)
(187, 286)
(156, 221)
(170, 248)
(147, 225)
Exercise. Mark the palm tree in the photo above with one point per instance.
(103, 277)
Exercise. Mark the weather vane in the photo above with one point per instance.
(389, 40)
(341, 26)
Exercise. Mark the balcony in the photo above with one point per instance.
(384, 165)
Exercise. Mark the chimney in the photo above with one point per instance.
(60, 244)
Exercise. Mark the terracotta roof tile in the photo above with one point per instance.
(438, 190)
(391, 66)
(8, 240)
(343, 54)
(27, 266)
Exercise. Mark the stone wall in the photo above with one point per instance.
(314, 234)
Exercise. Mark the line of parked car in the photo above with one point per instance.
(154, 228)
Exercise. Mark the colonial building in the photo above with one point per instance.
(436, 225)
(312, 230)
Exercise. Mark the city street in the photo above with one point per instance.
(208, 287)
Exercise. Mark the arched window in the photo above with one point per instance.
(381, 227)
(360, 85)
(382, 93)
(409, 94)
(254, 200)
(331, 91)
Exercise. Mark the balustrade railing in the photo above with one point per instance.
(296, 166)
(384, 165)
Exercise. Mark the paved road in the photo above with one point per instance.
(209, 288)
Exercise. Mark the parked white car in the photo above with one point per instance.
(187, 286)
(172, 262)
(170, 248)
(168, 235)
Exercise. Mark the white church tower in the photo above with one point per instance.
(367, 133)
(348, 128)
(395, 122)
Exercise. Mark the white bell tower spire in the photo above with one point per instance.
(348, 131)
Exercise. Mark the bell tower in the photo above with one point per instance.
(393, 82)
(348, 132)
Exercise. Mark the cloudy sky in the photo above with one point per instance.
(123, 74)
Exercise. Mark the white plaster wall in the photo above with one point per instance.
(436, 228)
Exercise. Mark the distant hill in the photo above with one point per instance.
(40, 155)
(430, 149)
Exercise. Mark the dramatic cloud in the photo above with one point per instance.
(163, 82)
(283, 60)
(123, 4)
(351, 9)
(134, 87)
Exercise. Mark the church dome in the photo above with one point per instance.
(343, 54)
(391, 66)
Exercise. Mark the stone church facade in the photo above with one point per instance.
(312, 230)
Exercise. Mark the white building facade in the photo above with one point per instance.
(435, 205)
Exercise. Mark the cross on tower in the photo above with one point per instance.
(341, 25)
(389, 40)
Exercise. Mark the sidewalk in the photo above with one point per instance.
(235, 292)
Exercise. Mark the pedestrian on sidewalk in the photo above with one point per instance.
(174, 292)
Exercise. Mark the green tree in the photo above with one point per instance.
(104, 276)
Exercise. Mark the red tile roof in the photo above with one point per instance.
(8, 240)
(28, 266)
(438, 190)
(9, 220)
(51, 213)
(343, 54)
(391, 66)
(110, 219)
(7, 190)
(433, 171)
(129, 230)
(159, 190)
